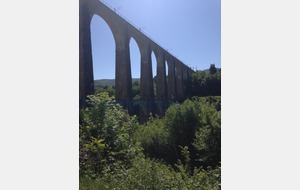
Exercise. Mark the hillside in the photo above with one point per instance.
(100, 83)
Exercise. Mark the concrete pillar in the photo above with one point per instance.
(161, 84)
(123, 82)
(171, 78)
(86, 78)
(179, 81)
(186, 83)
(184, 74)
(147, 92)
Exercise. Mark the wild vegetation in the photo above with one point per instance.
(207, 82)
(181, 150)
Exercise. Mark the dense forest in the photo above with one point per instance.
(181, 150)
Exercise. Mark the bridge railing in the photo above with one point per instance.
(138, 28)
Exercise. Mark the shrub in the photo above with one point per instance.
(104, 134)
(118, 153)
(155, 139)
(146, 173)
(208, 137)
(182, 120)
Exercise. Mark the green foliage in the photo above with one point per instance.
(136, 90)
(86, 183)
(109, 89)
(208, 137)
(196, 178)
(212, 69)
(118, 153)
(195, 124)
(104, 134)
(206, 83)
(104, 86)
(182, 120)
(155, 139)
(145, 173)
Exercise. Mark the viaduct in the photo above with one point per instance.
(168, 88)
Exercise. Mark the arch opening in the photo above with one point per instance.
(154, 72)
(135, 61)
(103, 55)
(167, 70)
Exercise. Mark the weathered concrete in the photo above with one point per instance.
(86, 78)
(123, 82)
(161, 83)
(185, 80)
(168, 88)
(179, 81)
(147, 91)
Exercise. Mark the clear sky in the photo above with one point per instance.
(188, 29)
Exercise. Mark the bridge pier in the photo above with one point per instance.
(185, 80)
(86, 78)
(171, 79)
(179, 81)
(161, 84)
(147, 91)
(123, 82)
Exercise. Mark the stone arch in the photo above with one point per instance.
(123, 81)
(99, 26)
(122, 33)
(135, 66)
(115, 23)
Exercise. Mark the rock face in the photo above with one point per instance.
(171, 88)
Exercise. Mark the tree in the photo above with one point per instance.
(208, 137)
(212, 69)
(205, 83)
(136, 90)
(182, 120)
(104, 134)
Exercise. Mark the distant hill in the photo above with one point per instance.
(100, 83)
(207, 70)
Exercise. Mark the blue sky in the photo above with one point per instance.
(189, 29)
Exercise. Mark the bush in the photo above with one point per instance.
(195, 123)
(182, 120)
(104, 134)
(208, 137)
(155, 139)
(118, 153)
(206, 84)
(146, 173)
